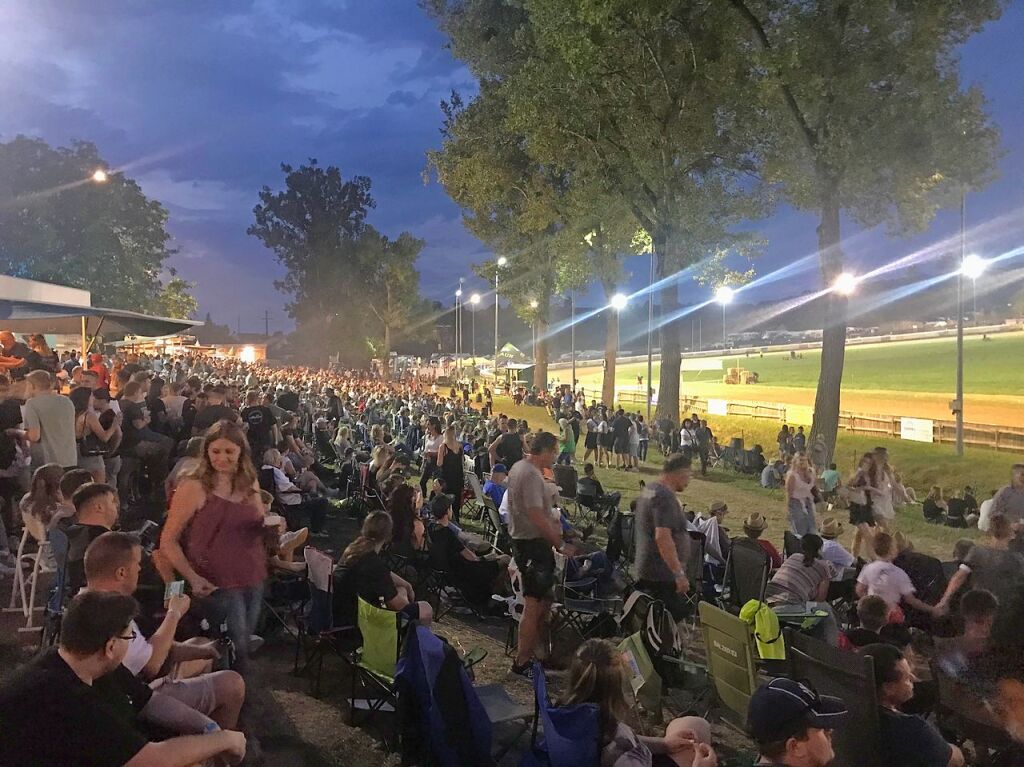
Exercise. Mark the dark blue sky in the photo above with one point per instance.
(201, 102)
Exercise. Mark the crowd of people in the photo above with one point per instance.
(238, 465)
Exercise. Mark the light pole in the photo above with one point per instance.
(501, 262)
(618, 303)
(724, 295)
(458, 329)
(650, 326)
(572, 338)
(971, 266)
(534, 305)
(474, 300)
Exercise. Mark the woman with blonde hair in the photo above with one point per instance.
(214, 535)
(800, 497)
(598, 676)
(363, 573)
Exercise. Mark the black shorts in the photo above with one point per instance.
(607, 440)
(861, 514)
(622, 446)
(536, 561)
(591, 441)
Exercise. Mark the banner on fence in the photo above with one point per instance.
(801, 415)
(917, 429)
(700, 364)
(718, 407)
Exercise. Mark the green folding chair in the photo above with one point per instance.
(731, 659)
(374, 663)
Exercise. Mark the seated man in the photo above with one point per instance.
(771, 475)
(906, 740)
(494, 488)
(292, 499)
(873, 614)
(112, 564)
(978, 609)
(477, 577)
(591, 493)
(61, 709)
(792, 725)
(96, 511)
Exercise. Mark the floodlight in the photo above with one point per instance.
(534, 304)
(502, 261)
(458, 293)
(973, 265)
(99, 176)
(845, 284)
(618, 302)
(724, 295)
(475, 298)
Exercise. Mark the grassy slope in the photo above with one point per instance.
(925, 366)
(922, 465)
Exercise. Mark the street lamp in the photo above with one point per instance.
(724, 295)
(458, 328)
(618, 303)
(534, 305)
(99, 176)
(501, 262)
(474, 299)
(845, 284)
(971, 266)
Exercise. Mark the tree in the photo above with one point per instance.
(868, 118)
(653, 98)
(58, 225)
(313, 226)
(175, 298)
(392, 283)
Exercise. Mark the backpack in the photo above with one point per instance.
(649, 617)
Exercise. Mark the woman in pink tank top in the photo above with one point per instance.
(214, 535)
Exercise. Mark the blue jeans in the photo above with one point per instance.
(240, 610)
(801, 517)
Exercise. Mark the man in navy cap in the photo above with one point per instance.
(494, 488)
(792, 725)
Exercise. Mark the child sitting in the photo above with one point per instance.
(883, 578)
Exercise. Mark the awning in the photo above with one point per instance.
(39, 317)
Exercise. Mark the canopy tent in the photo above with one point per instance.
(27, 306)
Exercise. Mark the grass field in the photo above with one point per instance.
(921, 465)
(912, 378)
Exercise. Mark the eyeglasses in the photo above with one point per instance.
(130, 637)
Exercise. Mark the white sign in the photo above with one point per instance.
(917, 429)
(701, 363)
(718, 407)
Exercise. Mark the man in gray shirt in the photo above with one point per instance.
(662, 537)
(535, 532)
(1010, 500)
(49, 421)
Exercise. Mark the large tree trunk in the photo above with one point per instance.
(833, 346)
(668, 333)
(611, 349)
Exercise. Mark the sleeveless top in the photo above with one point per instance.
(801, 487)
(224, 543)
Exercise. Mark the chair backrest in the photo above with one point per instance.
(379, 628)
(747, 573)
(730, 653)
(59, 547)
(695, 561)
(846, 675)
(474, 483)
(319, 566)
(572, 734)
(500, 528)
(266, 480)
(790, 543)
(566, 478)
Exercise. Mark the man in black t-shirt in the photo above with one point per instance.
(215, 411)
(64, 708)
(260, 425)
(906, 740)
(620, 431)
(475, 577)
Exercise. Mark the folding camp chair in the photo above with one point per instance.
(576, 609)
(474, 505)
(790, 543)
(746, 573)
(316, 635)
(694, 568)
(374, 663)
(566, 479)
(53, 612)
(23, 592)
(495, 530)
(514, 607)
(846, 675)
(572, 734)
(731, 658)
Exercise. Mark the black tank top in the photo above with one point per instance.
(510, 449)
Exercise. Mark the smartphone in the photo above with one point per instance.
(173, 589)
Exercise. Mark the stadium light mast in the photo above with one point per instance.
(474, 300)
(618, 303)
(501, 262)
(458, 329)
(971, 266)
(724, 295)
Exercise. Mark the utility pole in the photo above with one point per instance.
(266, 323)
(238, 325)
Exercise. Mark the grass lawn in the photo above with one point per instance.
(913, 366)
(921, 465)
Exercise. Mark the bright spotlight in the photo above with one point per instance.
(618, 302)
(534, 304)
(845, 284)
(502, 261)
(475, 298)
(973, 265)
(458, 293)
(724, 295)
(99, 176)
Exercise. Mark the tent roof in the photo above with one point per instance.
(28, 316)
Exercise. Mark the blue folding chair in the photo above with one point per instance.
(571, 734)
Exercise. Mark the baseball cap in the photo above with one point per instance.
(499, 467)
(784, 707)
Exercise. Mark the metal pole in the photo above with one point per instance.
(960, 329)
(473, 312)
(572, 336)
(724, 336)
(496, 327)
(650, 325)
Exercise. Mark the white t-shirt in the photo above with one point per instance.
(985, 514)
(886, 580)
(139, 651)
(283, 485)
(839, 557)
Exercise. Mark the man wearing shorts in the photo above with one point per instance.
(620, 439)
(662, 537)
(535, 532)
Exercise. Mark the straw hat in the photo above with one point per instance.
(755, 522)
(830, 528)
(719, 507)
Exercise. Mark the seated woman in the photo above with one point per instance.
(598, 675)
(901, 494)
(407, 531)
(935, 507)
(803, 580)
(281, 544)
(44, 504)
(292, 498)
(477, 577)
(363, 573)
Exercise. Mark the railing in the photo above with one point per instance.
(1010, 438)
